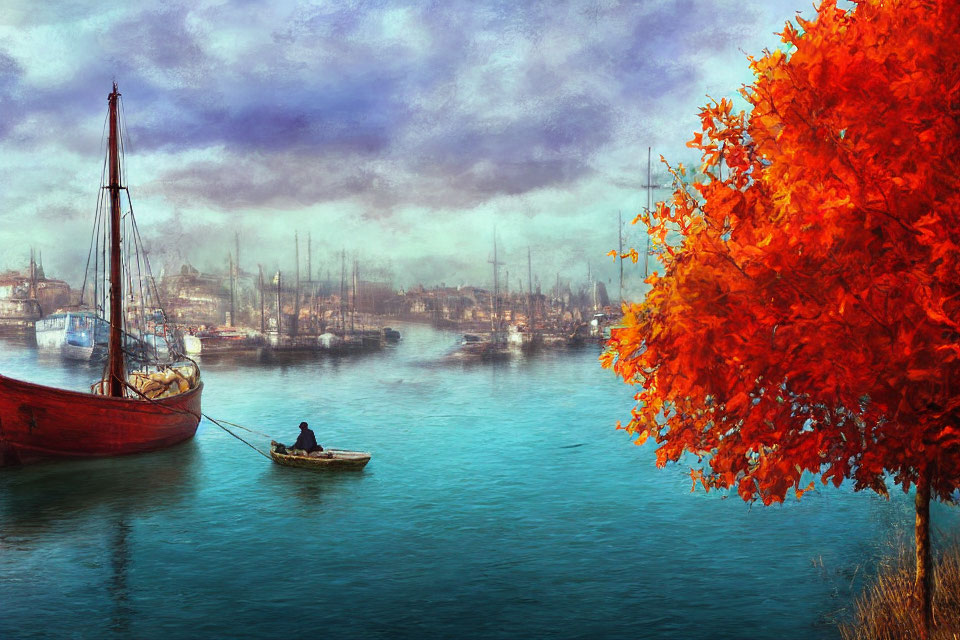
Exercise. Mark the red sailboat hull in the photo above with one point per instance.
(38, 422)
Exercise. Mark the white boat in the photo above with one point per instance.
(153, 343)
(329, 341)
(522, 337)
(192, 345)
(77, 335)
(485, 346)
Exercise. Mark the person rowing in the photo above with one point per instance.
(306, 441)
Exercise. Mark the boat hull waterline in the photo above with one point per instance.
(341, 459)
(39, 422)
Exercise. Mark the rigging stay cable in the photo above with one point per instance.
(213, 420)
(252, 446)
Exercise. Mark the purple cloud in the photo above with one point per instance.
(448, 108)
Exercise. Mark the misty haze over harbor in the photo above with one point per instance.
(402, 132)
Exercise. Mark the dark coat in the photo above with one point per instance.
(307, 441)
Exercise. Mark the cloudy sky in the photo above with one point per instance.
(403, 132)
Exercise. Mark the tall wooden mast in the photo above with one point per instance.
(233, 310)
(495, 298)
(263, 325)
(531, 312)
(620, 249)
(115, 366)
(279, 311)
(646, 253)
(295, 325)
(343, 268)
(353, 296)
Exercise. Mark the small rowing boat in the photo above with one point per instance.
(326, 459)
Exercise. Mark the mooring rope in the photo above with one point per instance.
(213, 420)
(254, 447)
(240, 426)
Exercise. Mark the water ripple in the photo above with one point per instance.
(483, 513)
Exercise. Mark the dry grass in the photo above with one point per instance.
(887, 609)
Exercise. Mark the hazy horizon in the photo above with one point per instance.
(402, 133)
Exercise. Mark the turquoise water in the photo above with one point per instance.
(500, 503)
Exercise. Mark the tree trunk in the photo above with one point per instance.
(924, 582)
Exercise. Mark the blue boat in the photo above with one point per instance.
(77, 335)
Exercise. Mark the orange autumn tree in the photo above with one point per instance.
(808, 318)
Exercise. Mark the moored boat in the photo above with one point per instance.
(523, 337)
(76, 335)
(192, 345)
(326, 459)
(228, 340)
(151, 408)
(483, 347)
(344, 342)
(41, 422)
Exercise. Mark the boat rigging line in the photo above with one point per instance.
(240, 426)
(252, 446)
(213, 420)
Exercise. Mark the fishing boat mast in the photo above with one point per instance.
(236, 238)
(295, 326)
(495, 299)
(279, 311)
(41, 422)
(343, 267)
(353, 303)
(556, 291)
(646, 253)
(263, 326)
(530, 309)
(115, 364)
(620, 250)
(233, 313)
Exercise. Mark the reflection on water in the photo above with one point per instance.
(119, 558)
(500, 502)
(19, 338)
(54, 495)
